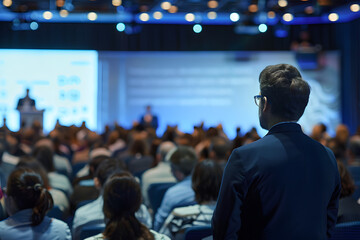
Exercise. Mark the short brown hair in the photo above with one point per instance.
(347, 183)
(286, 91)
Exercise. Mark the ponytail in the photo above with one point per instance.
(42, 206)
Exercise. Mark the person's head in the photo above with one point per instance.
(353, 151)
(27, 92)
(163, 150)
(183, 160)
(219, 149)
(25, 190)
(45, 156)
(106, 168)
(206, 181)
(148, 108)
(284, 95)
(342, 134)
(347, 183)
(122, 198)
(36, 166)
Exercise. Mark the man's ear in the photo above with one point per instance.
(97, 183)
(265, 104)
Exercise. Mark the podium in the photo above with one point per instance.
(29, 116)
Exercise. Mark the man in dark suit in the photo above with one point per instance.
(26, 103)
(149, 120)
(285, 185)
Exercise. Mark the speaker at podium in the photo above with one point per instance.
(28, 112)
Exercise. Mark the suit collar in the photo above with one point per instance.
(285, 127)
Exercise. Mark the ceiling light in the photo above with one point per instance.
(165, 5)
(355, 7)
(234, 17)
(333, 17)
(157, 15)
(197, 28)
(211, 15)
(262, 28)
(92, 16)
(213, 4)
(288, 17)
(282, 3)
(116, 3)
(190, 17)
(63, 13)
(144, 17)
(7, 3)
(120, 27)
(253, 8)
(47, 15)
(173, 9)
(271, 14)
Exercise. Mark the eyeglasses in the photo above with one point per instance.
(257, 99)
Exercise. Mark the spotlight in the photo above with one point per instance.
(234, 17)
(333, 17)
(262, 28)
(34, 26)
(157, 15)
(47, 15)
(197, 28)
(211, 15)
(282, 3)
(64, 13)
(120, 27)
(144, 17)
(92, 16)
(165, 5)
(190, 17)
(288, 17)
(355, 7)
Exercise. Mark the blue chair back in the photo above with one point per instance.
(55, 212)
(156, 193)
(91, 230)
(347, 231)
(198, 232)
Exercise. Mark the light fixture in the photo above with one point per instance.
(333, 17)
(190, 17)
(288, 17)
(234, 17)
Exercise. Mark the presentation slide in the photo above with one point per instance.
(187, 88)
(64, 83)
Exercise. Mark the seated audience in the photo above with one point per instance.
(92, 212)
(45, 156)
(353, 152)
(138, 159)
(206, 181)
(349, 209)
(58, 196)
(159, 174)
(219, 150)
(122, 199)
(182, 160)
(27, 202)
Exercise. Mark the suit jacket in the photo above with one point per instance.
(283, 186)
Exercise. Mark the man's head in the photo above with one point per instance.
(163, 150)
(284, 95)
(106, 168)
(182, 159)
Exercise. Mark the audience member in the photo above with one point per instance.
(45, 156)
(149, 120)
(59, 198)
(353, 152)
(206, 180)
(349, 209)
(182, 160)
(159, 174)
(92, 212)
(219, 150)
(285, 185)
(122, 199)
(27, 202)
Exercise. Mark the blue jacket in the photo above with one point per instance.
(283, 186)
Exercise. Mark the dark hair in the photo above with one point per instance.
(138, 146)
(183, 159)
(286, 91)
(33, 164)
(45, 156)
(108, 167)
(206, 181)
(220, 147)
(347, 183)
(27, 189)
(122, 198)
